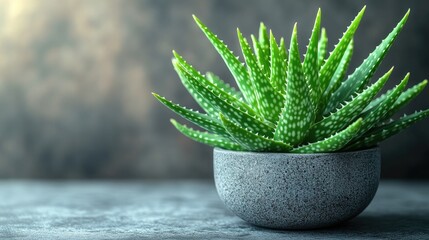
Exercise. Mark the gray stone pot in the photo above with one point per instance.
(296, 191)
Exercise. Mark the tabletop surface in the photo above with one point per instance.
(183, 210)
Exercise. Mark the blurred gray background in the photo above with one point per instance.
(76, 77)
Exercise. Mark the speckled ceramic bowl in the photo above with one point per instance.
(296, 191)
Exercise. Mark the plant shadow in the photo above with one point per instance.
(386, 226)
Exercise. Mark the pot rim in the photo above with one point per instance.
(216, 149)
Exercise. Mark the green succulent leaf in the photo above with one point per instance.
(283, 52)
(382, 109)
(215, 80)
(336, 80)
(263, 37)
(331, 64)
(383, 132)
(220, 92)
(237, 68)
(322, 48)
(262, 49)
(202, 120)
(333, 143)
(278, 66)
(297, 114)
(285, 105)
(207, 138)
(347, 113)
(260, 54)
(204, 103)
(360, 77)
(269, 101)
(221, 103)
(251, 141)
(310, 65)
(403, 99)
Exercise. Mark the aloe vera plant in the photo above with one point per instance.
(285, 104)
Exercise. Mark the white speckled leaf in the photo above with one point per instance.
(200, 78)
(223, 85)
(297, 114)
(204, 103)
(333, 143)
(360, 77)
(202, 120)
(235, 66)
(278, 66)
(283, 55)
(346, 114)
(311, 70)
(322, 48)
(285, 103)
(259, 52)
(331, 64)
(269, 101)
(383, 132)
(262, 49)
(336, 79)
(240, 116)
(207, 138)
(264, 44)
(377, 114)
(404, 99)
(253, 142)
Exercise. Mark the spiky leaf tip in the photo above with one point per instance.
(201, 120)
(310, 67)
(278, 66)
(206, 138)
(331, 64)
(204, 103)
(360, 77)
(263, 51)
(236, 68)
(322, 48)
(383, 132)
(229, 109)
(347, 113)
(407, 96)
(381, 110)
(336, 80)
(189, 72)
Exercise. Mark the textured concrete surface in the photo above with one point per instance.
(296, 191)
(183, 210)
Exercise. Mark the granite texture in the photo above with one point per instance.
(296, 191)
(183, 210)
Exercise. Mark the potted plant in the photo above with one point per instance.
(296, 147)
